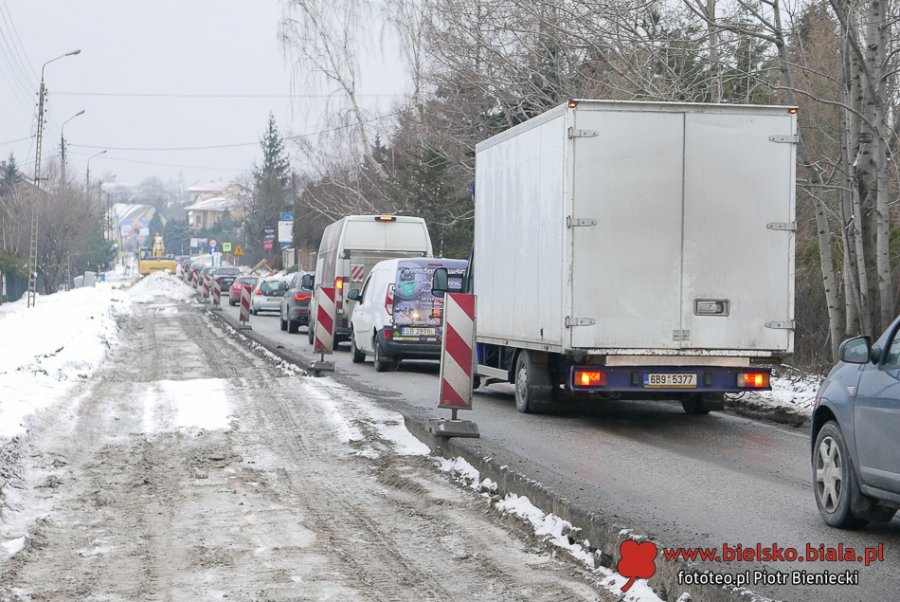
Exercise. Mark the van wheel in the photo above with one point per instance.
(382, 363)
(358, 356)
(532, 384)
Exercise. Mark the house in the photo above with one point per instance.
(210, 201)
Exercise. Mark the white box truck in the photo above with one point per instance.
(636, 250)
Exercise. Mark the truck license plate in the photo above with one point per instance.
(412, 332)
(675, 380)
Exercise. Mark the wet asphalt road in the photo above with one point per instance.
(683, 480)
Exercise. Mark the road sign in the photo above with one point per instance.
(238, 251)
(267, 245)
(287, 216)
(226, 247)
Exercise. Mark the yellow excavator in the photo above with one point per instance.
(155, 259)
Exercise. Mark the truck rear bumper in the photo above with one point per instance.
(658, 380)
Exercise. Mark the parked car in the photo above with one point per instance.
(226, 276)
(267, 294)
(295, 304)
(397, 316)
(855, 421)
(234, 291)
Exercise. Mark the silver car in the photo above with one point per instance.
(267, 294)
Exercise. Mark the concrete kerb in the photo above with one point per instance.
(590, 524)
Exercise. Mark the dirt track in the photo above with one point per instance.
(131, 505)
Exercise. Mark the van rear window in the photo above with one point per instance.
(395, 236)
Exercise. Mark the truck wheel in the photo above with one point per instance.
(292, 326)
(833, 479)
(358, 356)
(382, 363)
(532, 385)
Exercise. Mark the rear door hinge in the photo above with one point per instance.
(570, 322)
(793, 139)
(573, 133)
(781, 325)
(785, 226)
(573, 222)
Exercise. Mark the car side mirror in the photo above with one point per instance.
(875, 354)
(308, 281)
(857, 350)
(353, 295)
(439, 282)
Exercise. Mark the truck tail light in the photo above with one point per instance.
(389, 300)
(590, 378)
(338, 293)
(753, 380)
(302, 296)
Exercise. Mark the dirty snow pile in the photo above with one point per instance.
(160, 284)
(793, 391)
(49, 348)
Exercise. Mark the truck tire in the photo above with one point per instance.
(834, 481)
(358, 356)
(703, 403)
(532, 382)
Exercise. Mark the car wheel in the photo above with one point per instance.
(532, 384)
(833, 480)
(310, 335)
(382, 363)
(282, 322)
(358, 356)
(292, 326)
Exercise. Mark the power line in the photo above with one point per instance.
(179, 165)
(233, 145)
(17, 140)
(218, 96)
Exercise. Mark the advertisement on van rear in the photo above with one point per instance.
(416, 311)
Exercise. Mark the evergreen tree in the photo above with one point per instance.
(270, 186)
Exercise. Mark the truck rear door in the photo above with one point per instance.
(738, 238)
(625, 229)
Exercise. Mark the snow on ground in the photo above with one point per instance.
(160, 284)
(793, 391)
(50, 347)
(200, 403)
(549, 528)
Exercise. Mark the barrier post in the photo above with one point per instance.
(324, 329)
(245, 308)
(457, 366)
(217, 294)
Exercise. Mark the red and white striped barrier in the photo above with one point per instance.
(206, 286)
(357, 272)
(457, 352)
(245, 307)
(196, 280)
(217, 292)
(325, 313)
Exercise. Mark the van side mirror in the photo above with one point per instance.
(439, 282)
(308, 281)
(353, 295)
(858, 350)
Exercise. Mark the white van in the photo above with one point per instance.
(396, 315)
(349, 249)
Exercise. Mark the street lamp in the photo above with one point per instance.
(32, 255)
(62, 148)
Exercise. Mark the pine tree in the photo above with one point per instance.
(270, 185)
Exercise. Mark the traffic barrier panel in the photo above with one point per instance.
(325, 314)
(217, 292)
(206, 286)
(457, 352)
(245, 307)
(196, 280)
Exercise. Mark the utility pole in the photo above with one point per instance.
(32, 254)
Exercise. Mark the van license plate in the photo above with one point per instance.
(420, 332)
(675, 380)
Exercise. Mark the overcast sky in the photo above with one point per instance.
(162, 74)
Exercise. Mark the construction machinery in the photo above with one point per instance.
(155, 259)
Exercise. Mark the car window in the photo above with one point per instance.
(273, 286)
(893, 355)
(365, 287)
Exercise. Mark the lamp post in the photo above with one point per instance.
(62, 149)
(32, 255)
(87, 183)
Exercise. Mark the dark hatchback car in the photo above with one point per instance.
(295, 305)
(226, 276)
(855, 426)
